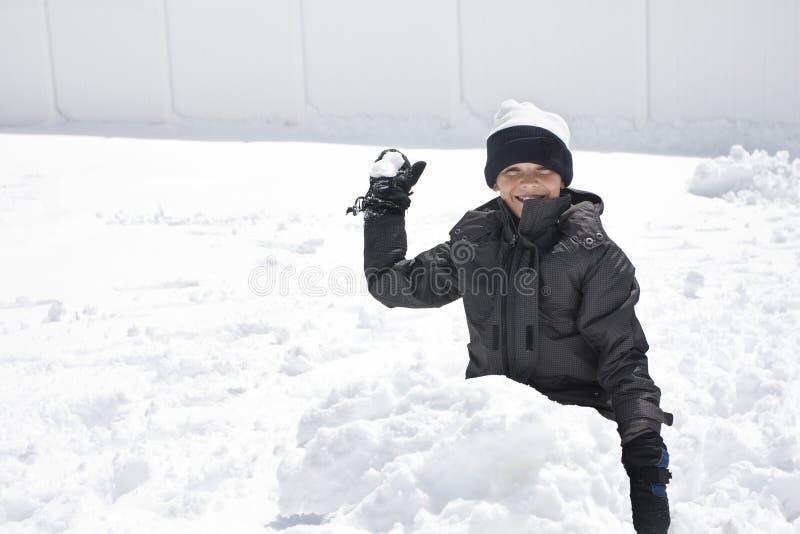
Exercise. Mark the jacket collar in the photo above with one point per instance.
(581, 221)
(574, 213)
(538, 224)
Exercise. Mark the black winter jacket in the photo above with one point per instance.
(549, 301)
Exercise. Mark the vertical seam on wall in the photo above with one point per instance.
(647, 80)
(49, 35)
(168, 50)
(762, 107)
(675, 57)
(303, 102)
(460, 54)
(465, 104)
(797, 60)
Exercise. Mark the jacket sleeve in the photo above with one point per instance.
(607, 321)
(428, 280)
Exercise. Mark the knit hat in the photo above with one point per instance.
(524, 133)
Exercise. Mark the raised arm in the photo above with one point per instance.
(428, 280)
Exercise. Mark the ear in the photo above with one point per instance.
(495, 188)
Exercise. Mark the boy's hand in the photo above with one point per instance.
(392, 163)
(391, 178)
(646, 460)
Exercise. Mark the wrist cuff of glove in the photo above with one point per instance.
(658, 475)
(379, 206)
(373, 205)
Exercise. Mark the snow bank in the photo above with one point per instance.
(148, 387)
(485, 455)
(748, 177)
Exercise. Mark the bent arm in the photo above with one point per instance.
(608, 323)
(428, 280)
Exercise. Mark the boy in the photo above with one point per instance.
(549, 298)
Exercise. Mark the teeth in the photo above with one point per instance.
(526, 197)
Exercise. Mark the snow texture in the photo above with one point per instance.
(749, 177)
(187, 345)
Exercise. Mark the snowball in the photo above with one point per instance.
(388, 165)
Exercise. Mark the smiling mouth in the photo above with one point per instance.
(523, 198)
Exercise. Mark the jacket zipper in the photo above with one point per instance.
(505, 305)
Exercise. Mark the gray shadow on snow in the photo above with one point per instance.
(284, 522)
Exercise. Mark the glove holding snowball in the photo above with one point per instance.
(390, 181)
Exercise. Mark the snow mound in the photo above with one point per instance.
(748, 177)
(484, 455)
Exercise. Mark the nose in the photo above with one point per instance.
(530, 176)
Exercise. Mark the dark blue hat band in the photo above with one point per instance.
(526, 144)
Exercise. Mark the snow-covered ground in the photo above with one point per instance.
(186, 345)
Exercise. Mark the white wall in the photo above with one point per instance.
(237, 59)
(725, 58)
(394, 59)
(582, 57)
(25, 81)
(110, 59)
(291, 61)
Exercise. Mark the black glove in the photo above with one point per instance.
(646, 460)
(389, 194)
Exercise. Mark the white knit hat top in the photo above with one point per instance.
(524, 133)
(513, 113)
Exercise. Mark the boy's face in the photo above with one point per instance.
(521, 181)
